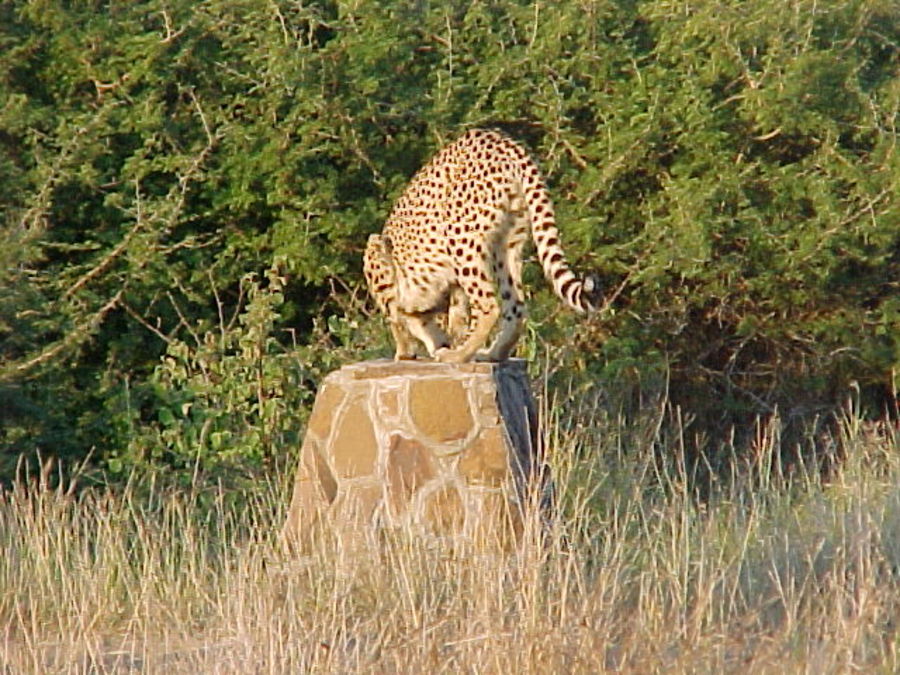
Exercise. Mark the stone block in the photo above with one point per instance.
(409, 467)
(354, 448)
(444, 449)
(440, 408)
(486, 459)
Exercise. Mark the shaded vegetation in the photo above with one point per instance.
(187, 187)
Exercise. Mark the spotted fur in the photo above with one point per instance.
(453, 245)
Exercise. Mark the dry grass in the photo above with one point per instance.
(632, 574)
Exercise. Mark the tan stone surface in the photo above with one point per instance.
(383, 368)
(357, 503)
(304, 511)
(409, 468)
(440, 409)
(384, 437)
(320, 470)
(314, 489)
(324, 410)
(389, 402)
(487, 403)
(485, 461)
(354, 449)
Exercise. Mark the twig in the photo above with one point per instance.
(104, 264)
(182, 320)
(146, 324)
(615, 294)
(74, 337)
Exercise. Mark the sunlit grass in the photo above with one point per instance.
(630, 572)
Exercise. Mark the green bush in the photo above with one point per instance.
(731, 166)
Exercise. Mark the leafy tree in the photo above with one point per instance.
(187, 188)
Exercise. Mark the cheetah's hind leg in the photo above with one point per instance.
(506, 263)
(458, 315)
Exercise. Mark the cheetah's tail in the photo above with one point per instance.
(581, 294)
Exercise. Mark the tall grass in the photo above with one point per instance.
(631, 573)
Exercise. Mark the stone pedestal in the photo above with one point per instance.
(443, 449)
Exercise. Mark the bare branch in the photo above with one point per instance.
(76, 337)
(146, 324)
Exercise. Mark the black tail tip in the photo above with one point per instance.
(591, 293)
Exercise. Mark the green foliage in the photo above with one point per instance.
(228, 401)
(731, 165)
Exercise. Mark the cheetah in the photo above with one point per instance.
(455, 233)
